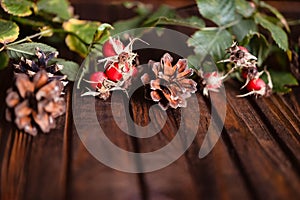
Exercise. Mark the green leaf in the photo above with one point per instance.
(244, 8)
(9, 31)
(102, 33)
(27, 50)
(123, 25)
(278, 34)
(19, 8)
(192, 22)
(4, 59)
(282, 80)
(82, 34)
(276, 13)
(59, 8)
(70, 68)
(213, 42)
(244, 27)
(220, 12)
(162, 11)
(257, 45)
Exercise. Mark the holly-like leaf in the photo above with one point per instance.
(282, 80)
(213, 42)
(9, 31)
(244, 8)
(276, 13)
(19, 8)
(244, 27)
(220, 12)
(70, 68)
(27, 50)
(59, 8)
(278, 34)
(4, 59)
(82, 34)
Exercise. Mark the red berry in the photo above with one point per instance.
(97, 78)
(113, 73)
(108, 48)
(243, 49)
(255, 84)
(244, 73)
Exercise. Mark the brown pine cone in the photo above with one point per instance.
(34, 103)
(170, 85)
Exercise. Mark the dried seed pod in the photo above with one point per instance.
(34, 103)
(170, 85)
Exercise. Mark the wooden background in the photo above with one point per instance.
(257, 156)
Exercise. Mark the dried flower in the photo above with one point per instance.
(212, 81)
(170, 85)
(239, 55)
(34, 103)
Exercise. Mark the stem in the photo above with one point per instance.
(19, 51)
(294, 22)
(30, 37)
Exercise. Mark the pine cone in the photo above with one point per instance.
(33, 103)
(31, 67)
(170, 85)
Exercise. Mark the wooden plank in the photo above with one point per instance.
(90, 179)
(175, 180)
(31, 166)
(46, 174)
(269, 170)
(217, 176)
(282, 127)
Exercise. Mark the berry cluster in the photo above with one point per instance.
(168, 84)
(120, 66)
(246, 62)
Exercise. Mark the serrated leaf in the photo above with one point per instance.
(282, 80)
(276, 13)
(220, 12)
(278, 34)
(244, 27)
(123, 25)
(70, 68)
(19, 8)
(4, 59)
(244, 8)
(27, 50)
(192, 22)
(84, 31)
(59, 8)
(9, 31)
(257, 45)
(213, 42)
(162, 11)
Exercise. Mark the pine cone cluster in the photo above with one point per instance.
(34, 100)
(170, 85)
